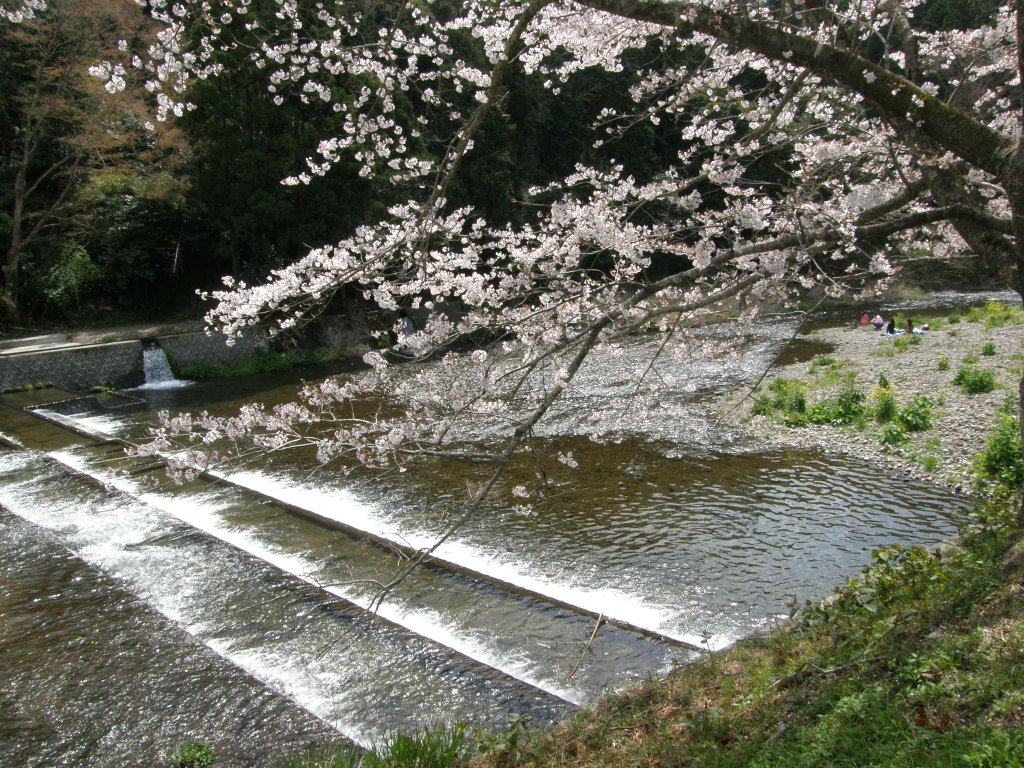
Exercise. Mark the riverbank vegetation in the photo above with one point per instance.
(919, 403)
(259, 363)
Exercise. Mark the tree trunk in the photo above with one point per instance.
(9, 294)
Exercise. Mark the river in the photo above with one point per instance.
(136, 614)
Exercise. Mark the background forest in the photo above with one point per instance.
(106, 214)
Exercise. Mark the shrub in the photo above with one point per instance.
(994, 315)
(884, 404)
(763, 405)
(974, 381)
(943, 363)
(1000, 465)
(822, 362)
(953, 319)
(988, 349)
(845, 408)
(916, 416)
(195, 754)
(73, 276)
(787, 397)
(893, 434)
(200, 371)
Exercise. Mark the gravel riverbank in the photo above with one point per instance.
(942, 454)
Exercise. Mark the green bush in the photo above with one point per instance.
(845, 408)
(988, 349)
(195, 754)
(974, 381)
(822, 362)
(1000, 465)
(884, 400)
(200, 371)
(787, 398)
(953, 319)
(893, 434)
(916, 416)
(943, 363)
(995, 315)
(259, 363)
(74, 275)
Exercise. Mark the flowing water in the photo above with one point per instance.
(673, 537)
(157, 370)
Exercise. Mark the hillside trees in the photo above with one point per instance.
(61, 131)
(817, 145)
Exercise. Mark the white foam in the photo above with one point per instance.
(342, 506)
(201, 513)
(99, 533)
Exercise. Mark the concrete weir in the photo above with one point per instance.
(61, 361)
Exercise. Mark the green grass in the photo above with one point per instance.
(996, 315)
(334, 756)
(919, 661)
(194, 754)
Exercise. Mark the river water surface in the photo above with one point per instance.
(241, 600)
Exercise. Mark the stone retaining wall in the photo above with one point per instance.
(117, 364)
(187, 349)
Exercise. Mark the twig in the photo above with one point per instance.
(771, 365)
(587, 647)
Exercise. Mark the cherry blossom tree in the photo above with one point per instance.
(885, 141)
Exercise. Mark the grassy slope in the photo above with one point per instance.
(919, 662)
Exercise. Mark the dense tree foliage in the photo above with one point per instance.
(209, 201)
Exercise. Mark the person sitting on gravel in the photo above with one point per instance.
(878, 322)
(890, 329)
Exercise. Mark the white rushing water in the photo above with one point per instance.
(157, 370)
(361, 679)
(340, 505)
(201, 512)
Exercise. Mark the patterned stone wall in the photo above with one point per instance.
(117, 365)
(188, 349)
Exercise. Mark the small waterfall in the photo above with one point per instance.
(157, 370)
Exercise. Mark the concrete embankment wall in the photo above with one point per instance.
(116, 364)
(188, 349)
